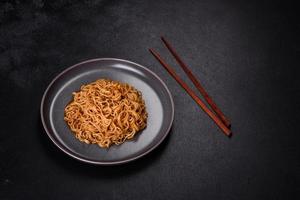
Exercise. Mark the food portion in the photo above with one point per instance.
(106, 112)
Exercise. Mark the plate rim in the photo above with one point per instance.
(109, 162)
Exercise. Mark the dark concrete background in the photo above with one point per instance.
(245, 53)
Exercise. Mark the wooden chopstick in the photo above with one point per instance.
(211, 114)
(197, 84)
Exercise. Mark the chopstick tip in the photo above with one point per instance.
(151, 50)
(163, 38)
(229, 134)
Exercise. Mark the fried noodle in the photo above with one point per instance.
(106, 112)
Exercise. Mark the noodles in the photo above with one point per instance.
(106, 112)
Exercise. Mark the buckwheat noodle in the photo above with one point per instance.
(106, 112)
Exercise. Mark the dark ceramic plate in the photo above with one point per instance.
(159, 103)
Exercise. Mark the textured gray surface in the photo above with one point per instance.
(245, 54)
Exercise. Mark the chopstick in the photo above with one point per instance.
(211, 114)
(197, 84)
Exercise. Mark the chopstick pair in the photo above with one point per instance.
(216, 115)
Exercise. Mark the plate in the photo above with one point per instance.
(158, 99)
